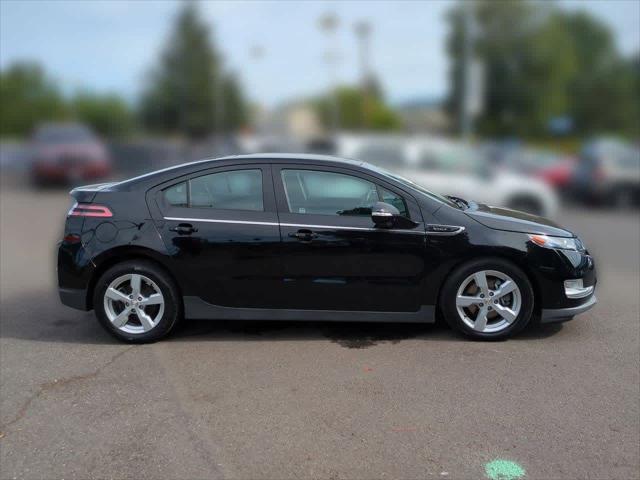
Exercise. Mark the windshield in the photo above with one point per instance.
(409, 183)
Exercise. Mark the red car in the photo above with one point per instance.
(68, 153)
(556, 170)
(559, 175)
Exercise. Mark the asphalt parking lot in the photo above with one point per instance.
(293, 400)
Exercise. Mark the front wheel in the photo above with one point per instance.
(487, 299)
(137, 302)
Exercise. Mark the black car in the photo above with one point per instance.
(307, 237)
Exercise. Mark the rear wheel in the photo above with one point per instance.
(137, 302)
(487, 299)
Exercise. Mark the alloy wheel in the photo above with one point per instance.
(488, 301)
(133, 303)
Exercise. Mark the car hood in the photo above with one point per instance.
(515, 221)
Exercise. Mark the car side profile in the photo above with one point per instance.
(307, 237)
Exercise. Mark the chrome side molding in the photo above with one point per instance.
(299, 225)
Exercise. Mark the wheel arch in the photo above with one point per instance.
(123, 254)
(535, 285)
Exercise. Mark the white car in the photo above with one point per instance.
(452, 168)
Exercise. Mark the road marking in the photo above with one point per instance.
(504, 470)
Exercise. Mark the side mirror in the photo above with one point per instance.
(384, 215)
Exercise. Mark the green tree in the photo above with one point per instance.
(108, 115)
(501, 31)
(183, 93)
(547, 72)
(235, 109)
(602, 92)
(357, 110)
(28, 97)
(541, 62)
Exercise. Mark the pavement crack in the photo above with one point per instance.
(63, 382)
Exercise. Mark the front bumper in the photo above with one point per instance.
(554, 315)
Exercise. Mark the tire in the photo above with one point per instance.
(160, 313)
(496, 271)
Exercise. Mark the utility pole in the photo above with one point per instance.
(219, 101)
(329, 24)
(465, 96)
(363, 32)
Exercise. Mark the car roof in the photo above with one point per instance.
(312, 157)
(152, 179)
(185, 168)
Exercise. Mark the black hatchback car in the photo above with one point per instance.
(306, 237)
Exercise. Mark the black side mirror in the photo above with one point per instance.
(384, 215)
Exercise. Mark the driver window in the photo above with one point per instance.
(328, 193)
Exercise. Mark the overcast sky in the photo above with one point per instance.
(110, 45)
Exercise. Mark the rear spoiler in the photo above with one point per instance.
(87, 193)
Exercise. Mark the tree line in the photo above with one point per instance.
(540, 63)
(187, 93)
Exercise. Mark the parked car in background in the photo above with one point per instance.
(608, 173)
(453, 168)
(554, 169)
(461, 170)
(67, 153)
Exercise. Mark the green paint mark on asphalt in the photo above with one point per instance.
(504, 470)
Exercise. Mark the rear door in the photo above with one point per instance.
(334, 257)
(221, 229)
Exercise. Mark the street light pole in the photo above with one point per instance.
(466, 127)
(363, 32)
(329, 24)
(219, 100)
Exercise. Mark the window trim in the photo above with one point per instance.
(268, 193)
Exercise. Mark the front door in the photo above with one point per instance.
(221, 230)
(334, 257)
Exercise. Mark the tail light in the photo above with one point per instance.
(90, 210)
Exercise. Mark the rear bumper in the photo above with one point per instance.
(75, 270)
(553, 315)
(74, 298)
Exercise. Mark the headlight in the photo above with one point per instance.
(562, 243)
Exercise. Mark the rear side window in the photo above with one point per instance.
(177, 195)
(232, 190)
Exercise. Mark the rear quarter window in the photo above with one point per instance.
(230, 190)
(176, 196)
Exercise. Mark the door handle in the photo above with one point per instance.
(304, 235)
(184, 229)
